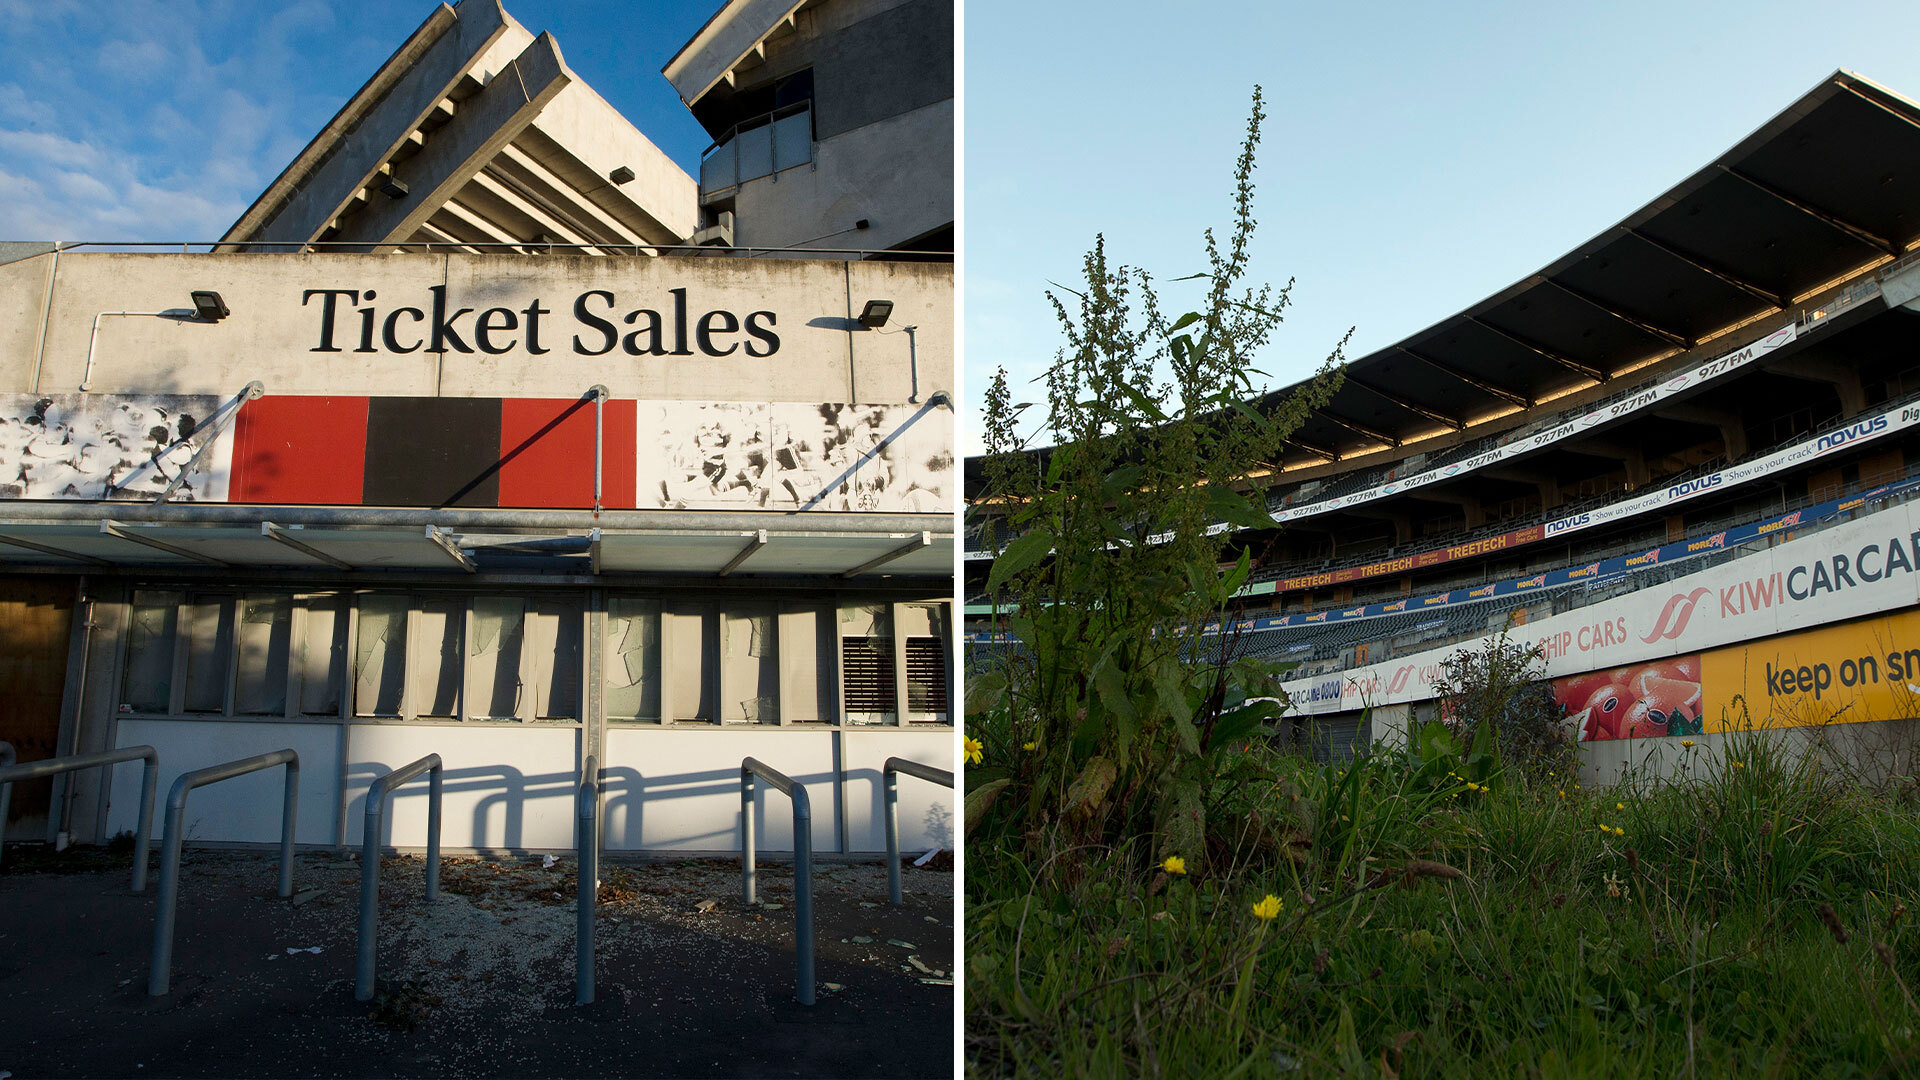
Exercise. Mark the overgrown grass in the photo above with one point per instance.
(1751, 919)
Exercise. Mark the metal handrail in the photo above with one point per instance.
(802, 863)
(587, 845)
(890, 783)
(160, 975)
(33, 770)
(378, 796)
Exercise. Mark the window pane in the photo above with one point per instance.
(633, 659)
(689, 661)
(493, 666)
(807, 642)
(925, 628)
(439, 625)
(148, 685)
(209, 646)
(379, 656)
(752, 678)
(323, 652)
(553, 644)
(266, 629)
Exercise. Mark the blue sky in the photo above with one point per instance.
(149, 120)
(1418, 157)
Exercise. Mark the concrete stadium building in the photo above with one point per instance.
(1679, 458)
(489, 431)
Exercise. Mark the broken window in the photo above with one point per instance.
(379, 657)
(265, 632)
(553, 658)
(688, 659)
(633, 659)
(209, 647)
(147, 685)
(323, 653)
(493, 663)
(436, 629)
(750, 674)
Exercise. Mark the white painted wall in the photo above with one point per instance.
(245, 809)
(504, 787)
(512, 788)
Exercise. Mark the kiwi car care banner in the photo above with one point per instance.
(1864, 567)
(1650, 396)
(1853, 672)
(479, 452)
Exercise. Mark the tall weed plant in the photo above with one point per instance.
(1116, 718)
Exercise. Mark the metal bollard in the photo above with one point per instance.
(159, 977)
(890, 786)
(587, 844)
(143, 836)
(802, 863)
(378, 795)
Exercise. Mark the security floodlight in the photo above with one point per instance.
(393, 188)
(875, 314)
(621, 175)
(863, 223)
(208, 306)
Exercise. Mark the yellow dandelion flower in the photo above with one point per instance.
(1266, 909)
(971, 746)
(1030, 747)
(1619, 806)
(1688, 743)
(1174, 865)
(1563, 793)
(1605, 829)
(1739, 764)
(1617, 831)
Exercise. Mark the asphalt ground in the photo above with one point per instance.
(481, 983)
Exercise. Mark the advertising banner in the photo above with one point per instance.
(1652, 395)
(1859, 671)
(1863, 567)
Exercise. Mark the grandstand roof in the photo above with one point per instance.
(1825, 190)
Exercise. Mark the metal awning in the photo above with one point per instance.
(107, 543)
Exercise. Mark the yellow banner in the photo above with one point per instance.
(1859, 671)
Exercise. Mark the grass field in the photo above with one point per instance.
(1748, 918)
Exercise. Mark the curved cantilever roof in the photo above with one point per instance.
(1825, 190)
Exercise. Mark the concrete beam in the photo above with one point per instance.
(1733, 433)
(1844, 378)
(1632, 457)
(488, 121)
(1546, 484)
(387, 110)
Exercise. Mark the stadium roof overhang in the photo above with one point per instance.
(1824, 191)
(475, 134)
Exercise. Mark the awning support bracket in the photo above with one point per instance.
(925, 539)
(445, 542)
(758, 541)
(132, 536)
(284, 535)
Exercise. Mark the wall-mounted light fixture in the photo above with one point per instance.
(876, 313)
(208, 305)
(393, 188)
(621, 175)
